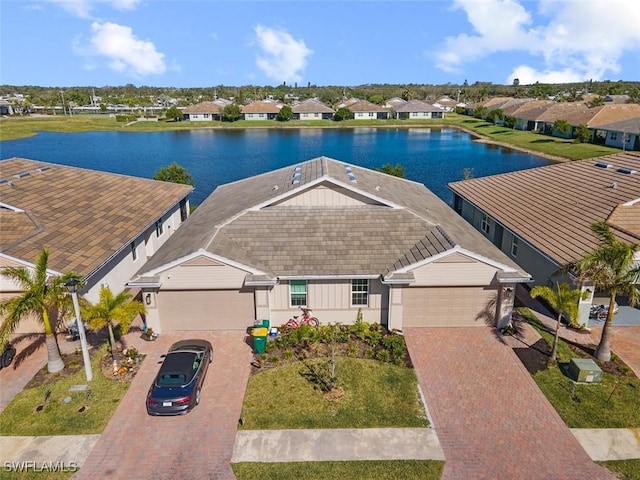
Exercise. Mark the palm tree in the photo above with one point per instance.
(113, 310)
(40, 297)
(610, 267)
(563, 299)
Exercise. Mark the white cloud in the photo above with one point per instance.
(83, 8)
(283, 58)
(124, 51)
(574, 40)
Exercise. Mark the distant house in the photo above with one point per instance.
(261, 110)
(337, 238)
(416, 110)
(5, 107)
(542, 217)
(102, 226)
(204, 112)
(446, 103)
(624, 134)
(394, 102)
(312, 109)
(365, 110)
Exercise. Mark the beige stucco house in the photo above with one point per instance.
(333, 237)
(102, 226)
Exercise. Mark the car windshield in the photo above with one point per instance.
(178, 368)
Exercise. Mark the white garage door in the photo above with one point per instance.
(448, 306)
(206, 310)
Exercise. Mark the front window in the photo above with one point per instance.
(359, 292)
(514, 247)
(484, 224)
(298, 293)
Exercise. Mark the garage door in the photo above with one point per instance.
(206, 310)
(448, 306)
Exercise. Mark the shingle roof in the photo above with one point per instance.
(416, 106)
(204, 107)
(311, 105)
(365, 106)
(82, 216)
(247, 222)
(553, 207)
(631, 125)
(261, 106)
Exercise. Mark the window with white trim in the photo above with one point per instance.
(514, 247)
(359, 292)
(298, 293)
(484, 223)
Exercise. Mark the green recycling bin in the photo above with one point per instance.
(264, 323)
(259, 336)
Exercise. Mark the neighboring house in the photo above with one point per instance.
(261, 110)
(448, 104)
(416, 110)
(617, 99)
(312, 109)
(624, 134)
(333, 237)
(5, 107)
(203, 111)
(394, 102)
(102, 226)
(542, 217)
(365, 110)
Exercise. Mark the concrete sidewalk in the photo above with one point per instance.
(316, 445)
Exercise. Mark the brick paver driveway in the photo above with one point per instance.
(492, 420)
(198, 445)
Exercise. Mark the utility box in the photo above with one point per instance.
(584, 370)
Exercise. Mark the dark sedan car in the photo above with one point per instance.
(176, 389)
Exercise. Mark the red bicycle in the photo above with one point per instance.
(306, 319)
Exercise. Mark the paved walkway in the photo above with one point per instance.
(135, 444)
(491, 418)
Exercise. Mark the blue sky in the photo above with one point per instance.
(183, 43)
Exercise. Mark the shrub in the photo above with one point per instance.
(383, 356)
(395, 344)
(369, 353)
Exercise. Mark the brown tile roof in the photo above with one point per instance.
(416, 106)
(631, 125)
(204, 107)
(245, 221)
(610, 113)
(365, 106)
(552, 208)
(83, 216)
(311, 105)
(262, 106)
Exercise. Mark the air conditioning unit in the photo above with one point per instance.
(584, 370)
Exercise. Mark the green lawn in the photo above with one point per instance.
(388, 470)
(376, 394)
(613, 403)
(624, 469)
(35, 475)
(59, 418)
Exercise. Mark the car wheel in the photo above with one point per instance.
(198, 397)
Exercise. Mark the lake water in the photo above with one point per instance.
(431, 156)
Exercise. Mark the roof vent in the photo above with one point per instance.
(296, 179)
(352, 178)
(22, 174)
(350, 174)
(627, 170)
(603, 165)
(274, 188)
(7, 181)
(43, 169)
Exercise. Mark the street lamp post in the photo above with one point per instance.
(72, 286)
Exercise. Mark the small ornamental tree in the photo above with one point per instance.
(174, 173)
(231, 113)
(480, 112)
(285, 114)
(583, 134)
(174, 114)
(342, 114)
(561, 126)
(396, 170)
